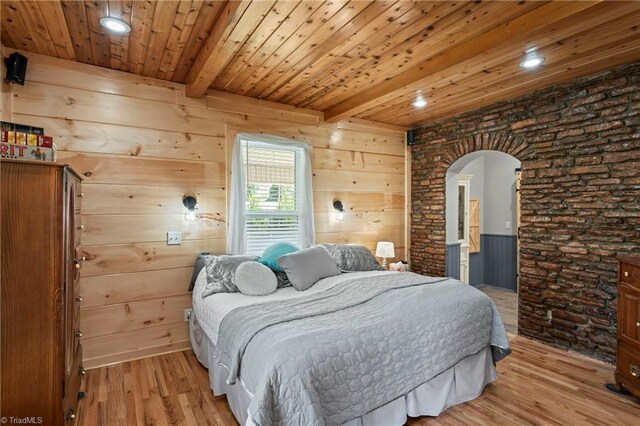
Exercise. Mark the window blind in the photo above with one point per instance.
(272, 195)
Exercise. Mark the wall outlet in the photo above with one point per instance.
(174, 238)
(187, 314)
(507, 225)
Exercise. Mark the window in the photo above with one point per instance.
(271, 196)
(273, 187)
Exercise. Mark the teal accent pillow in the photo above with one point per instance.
(273, 252)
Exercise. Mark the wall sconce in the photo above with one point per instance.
(337, 204)
(191, 203)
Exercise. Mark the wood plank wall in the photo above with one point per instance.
(141, 145)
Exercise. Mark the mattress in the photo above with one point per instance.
(212, 310)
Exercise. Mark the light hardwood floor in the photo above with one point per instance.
(536, 385)
(507, 303)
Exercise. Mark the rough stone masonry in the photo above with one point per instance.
(579, 145)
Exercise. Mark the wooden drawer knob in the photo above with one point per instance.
(637, 323)
(81, 371)
(81, 228)
(78, 334)
(70, 415)
(78, 298)
(81, 195)
(634, 370)
(626, 273)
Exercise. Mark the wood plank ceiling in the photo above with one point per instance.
(367, 59)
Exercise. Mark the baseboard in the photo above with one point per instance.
(90, 364)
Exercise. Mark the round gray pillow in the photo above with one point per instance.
(255, 279)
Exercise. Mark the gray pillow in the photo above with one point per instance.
(305, 267)
(255, 279)
(351, 258)
(221, 271)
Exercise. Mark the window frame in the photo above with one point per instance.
(246, 144)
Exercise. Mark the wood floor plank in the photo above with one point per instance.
(507, 303)
(537, 385)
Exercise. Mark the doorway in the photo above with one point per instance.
(482, 227)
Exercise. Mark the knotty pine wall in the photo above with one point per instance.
(141, 145)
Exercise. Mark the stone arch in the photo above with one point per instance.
(428, 252)
(505, 142)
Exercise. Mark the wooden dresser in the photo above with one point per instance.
(628, 361)
(40, 348)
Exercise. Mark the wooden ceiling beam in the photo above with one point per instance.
(209, 13)
(269, 57)
(207, 65)
(517, 29)
(601, 59)
(571, 38)
(182, 27)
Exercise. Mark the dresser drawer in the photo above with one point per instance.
(629, 274)
(628, 366)
(629, 314)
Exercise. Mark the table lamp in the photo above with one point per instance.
(384, 249)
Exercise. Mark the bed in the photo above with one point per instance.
(361, 348)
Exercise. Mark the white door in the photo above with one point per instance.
(463, 225)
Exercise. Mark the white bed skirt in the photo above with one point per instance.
(462, 382)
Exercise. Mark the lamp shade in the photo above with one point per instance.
(385, 249)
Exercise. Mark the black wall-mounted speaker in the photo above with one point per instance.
(411, 137)
(16, 68)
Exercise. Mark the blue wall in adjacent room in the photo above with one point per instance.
(452, 260)
(495, 264)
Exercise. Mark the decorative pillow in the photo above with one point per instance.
(255, 279)
(273, 252)
(305, 267)
(221, 271)
(351, 258)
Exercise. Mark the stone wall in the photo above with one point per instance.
(579, 145)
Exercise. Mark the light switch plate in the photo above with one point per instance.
(174, 238)
(507, 225)
(187, 314)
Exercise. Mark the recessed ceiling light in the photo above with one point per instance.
(531, 61)
(420, 102)
(116, 25)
